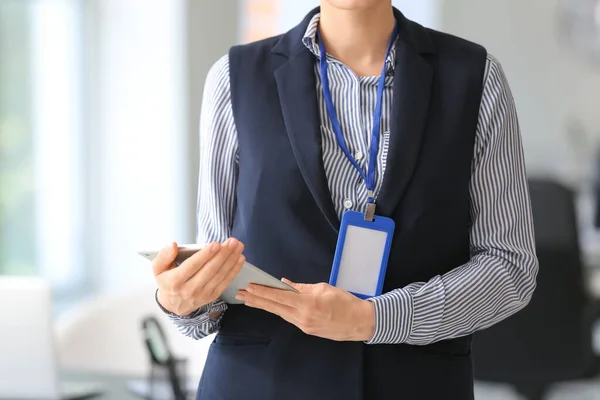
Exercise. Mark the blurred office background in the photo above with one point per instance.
(99, 107)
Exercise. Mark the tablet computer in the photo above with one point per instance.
(248, 274)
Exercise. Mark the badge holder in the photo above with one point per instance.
(362, 253)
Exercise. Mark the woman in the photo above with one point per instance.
(288, 137)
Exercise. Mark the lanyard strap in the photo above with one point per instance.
(369, 176)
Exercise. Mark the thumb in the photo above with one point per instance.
(298, 286)
(164, 259)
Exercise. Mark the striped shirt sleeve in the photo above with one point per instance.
(499, 279)
(216, 185)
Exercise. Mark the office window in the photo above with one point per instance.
(17, 201)
(40, 142)
(16, 165)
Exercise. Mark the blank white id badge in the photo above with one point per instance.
(362, 253)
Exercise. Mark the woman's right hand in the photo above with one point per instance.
(200, 279)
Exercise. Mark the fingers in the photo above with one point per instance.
(298, 286)
(164, 260)
(284, 297)
(216, 263)
(286, 312)
(231, 276)
(189, 267)
(230, 264)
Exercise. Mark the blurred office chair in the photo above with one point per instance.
(551, 339)
(105, 335)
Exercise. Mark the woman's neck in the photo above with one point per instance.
(358, 38)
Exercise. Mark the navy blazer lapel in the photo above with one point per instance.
(413, 77)
(296, 84)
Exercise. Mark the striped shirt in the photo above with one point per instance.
(500, 277)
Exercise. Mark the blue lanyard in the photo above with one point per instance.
(369, 176)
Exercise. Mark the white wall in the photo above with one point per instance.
(57, 132)
(550, 84)
(425, 12)
(139, 137)
(292, 12)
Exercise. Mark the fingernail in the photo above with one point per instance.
(232, 244)
(239, 248)
(250, 289)
(214, 247)
(240, 296)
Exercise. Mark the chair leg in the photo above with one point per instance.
(532, 391)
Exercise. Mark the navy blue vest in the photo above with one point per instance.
(288, 223)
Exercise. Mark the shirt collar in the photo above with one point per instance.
(310, 41)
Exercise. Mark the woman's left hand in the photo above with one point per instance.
(320, 309)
